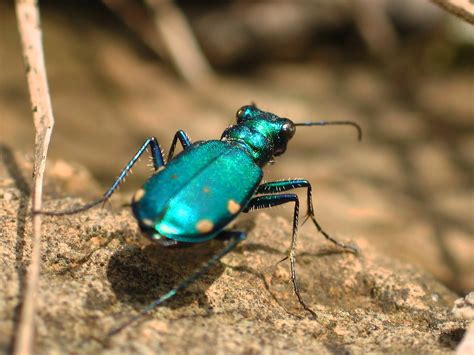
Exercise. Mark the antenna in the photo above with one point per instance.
(327, 123)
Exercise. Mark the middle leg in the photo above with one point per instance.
(183, 139)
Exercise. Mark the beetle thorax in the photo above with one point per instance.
(262, 134)
(260, 146)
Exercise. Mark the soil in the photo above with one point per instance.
(97, 271)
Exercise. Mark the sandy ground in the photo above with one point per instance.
(98, 271)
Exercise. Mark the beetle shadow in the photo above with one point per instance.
(139, 276)
(246, 225)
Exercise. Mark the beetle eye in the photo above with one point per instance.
(288, 130)
(240, 113)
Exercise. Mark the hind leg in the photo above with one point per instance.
(157, 156)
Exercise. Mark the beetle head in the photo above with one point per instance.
(267, 135)
(278, 131)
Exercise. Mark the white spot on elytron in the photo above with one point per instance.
(138, 195)
(232, 206)
(156, 236)
(204, 226)
(147, 222)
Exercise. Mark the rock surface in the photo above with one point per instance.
(97, 271)
(464, 309)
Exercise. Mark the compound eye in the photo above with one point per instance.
(288, 130)
(240, 113)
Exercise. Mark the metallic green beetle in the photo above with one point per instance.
(192, 197)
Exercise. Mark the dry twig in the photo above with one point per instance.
(179, 41)
(135, 16)
(461, 8)
(168, 33)
(375, 27)
(30, 31)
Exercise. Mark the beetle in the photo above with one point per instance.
(193, 196)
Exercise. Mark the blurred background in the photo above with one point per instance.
(122, 70)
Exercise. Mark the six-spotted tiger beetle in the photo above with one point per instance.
(194, 195)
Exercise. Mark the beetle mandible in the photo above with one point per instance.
(176, 207)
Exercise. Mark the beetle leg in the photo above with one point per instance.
(236, 238)
(158, 161)
(268, 201)
(183, 139)
(285, 185)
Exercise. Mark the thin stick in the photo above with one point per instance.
(463, 9)
(371, 14)
(30, 31)
(136, 17)
(178, 39)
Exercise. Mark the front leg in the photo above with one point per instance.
(285, 185)
(268, 201)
